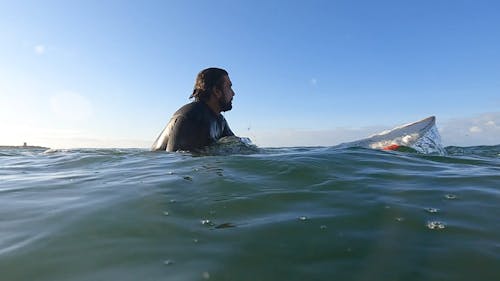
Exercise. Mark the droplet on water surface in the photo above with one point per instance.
(436, 225)
(166, 213)
(207, 222)
(303, 218)
(450, 196)
(432, 210)
(168, 262)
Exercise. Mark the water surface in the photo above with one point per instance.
(277, 214)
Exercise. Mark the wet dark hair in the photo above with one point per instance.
(205, 81)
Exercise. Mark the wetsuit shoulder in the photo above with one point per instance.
(194, 110)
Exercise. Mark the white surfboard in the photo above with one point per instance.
(422, 136)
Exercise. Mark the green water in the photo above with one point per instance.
(279, 214)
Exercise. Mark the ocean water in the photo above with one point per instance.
(321, 213)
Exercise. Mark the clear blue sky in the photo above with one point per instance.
(111, 73)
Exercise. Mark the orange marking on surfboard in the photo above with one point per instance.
(391, 147)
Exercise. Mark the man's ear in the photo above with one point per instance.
(216, 91)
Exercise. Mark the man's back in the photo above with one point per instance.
(192, 127)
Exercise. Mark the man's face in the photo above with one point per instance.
(227, 94)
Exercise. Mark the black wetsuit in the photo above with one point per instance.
(191, 127)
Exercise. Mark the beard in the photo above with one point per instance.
(225, 105)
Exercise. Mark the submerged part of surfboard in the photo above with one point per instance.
(421, 136)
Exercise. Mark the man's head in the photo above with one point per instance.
(214, 82)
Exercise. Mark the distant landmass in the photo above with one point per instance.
(24, 146)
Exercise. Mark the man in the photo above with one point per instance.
(200, 123)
